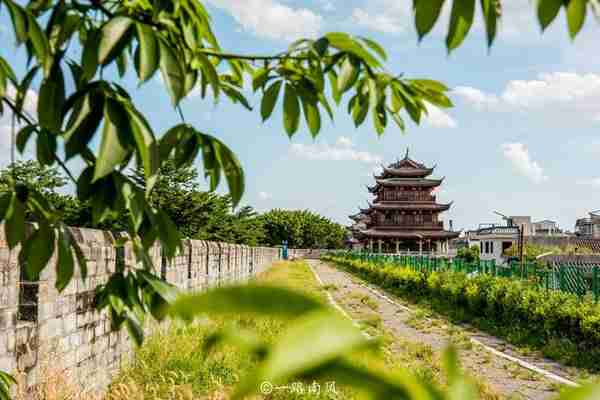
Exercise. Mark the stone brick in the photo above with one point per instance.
(83, 340)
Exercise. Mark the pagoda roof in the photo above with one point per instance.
(409, 182)
(406, 168)
(400, 234)
(390, 205)
(358, 216)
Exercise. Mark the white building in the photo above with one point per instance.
(493, 241)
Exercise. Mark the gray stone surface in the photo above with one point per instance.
(78, 340)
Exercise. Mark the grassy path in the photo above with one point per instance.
(423, 330)
(172, 365)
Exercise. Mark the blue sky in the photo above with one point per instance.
(522, 139)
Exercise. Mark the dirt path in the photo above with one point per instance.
(504, 377)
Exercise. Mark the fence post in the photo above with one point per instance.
(595, 282)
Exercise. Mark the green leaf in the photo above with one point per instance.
(23, 137)
(379, 119)
(576, 11)
(427, 13)
(51, 100)
(172, 73)
(148, 52)
(314, 340)
(461, 21)
(376, 47)
(65, 265)
(348, 75)
(37, 251)
(360, 109)
(40, 44)
(14, 228)
(46, 147)
(247, 299)
(430, 84)
(135, 329)
(5, 199)
(113, 151)
(209, 72)
(6, 381)
(169, 235)
(587, 392)
(291, 110)
(122, 64)
(345, 42)
(490, 15)
(113, 38)
(333, 81)
(312, 116)
(260, 78)
(83, 122)
(232, 168)
(167, 291)
(19, 20)
(147, 146)
(236, 96)
(547, 10)
(269, 100)
(89, 56)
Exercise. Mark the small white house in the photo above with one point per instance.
(494, 241)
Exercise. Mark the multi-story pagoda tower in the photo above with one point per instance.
(404, 214)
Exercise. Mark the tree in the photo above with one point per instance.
(175, 39)
(78, 102)
(469, 254)
(302, 229)
(44, 179)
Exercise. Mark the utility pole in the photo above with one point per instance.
(521, 229)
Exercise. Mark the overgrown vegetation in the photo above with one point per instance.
(469, 254)
(70, 44)
(302, 229)
(196, 213)
(532, 251)
(558, 323)
(172, 363)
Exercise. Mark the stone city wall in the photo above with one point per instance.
(39, 326)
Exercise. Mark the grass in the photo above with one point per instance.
(171, 364)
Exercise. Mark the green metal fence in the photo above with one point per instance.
(579, 279)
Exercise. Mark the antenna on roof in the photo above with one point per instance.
(406, 155)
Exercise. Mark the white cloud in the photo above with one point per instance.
(566, 92)
(589, 181)
(518, 155)
(476, 97)
(265, 195)
(437, 118)
(344, 141)
(384, 22)
(343, 150)
(271, 19)
(29, 106)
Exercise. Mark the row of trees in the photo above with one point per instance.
(196, 213)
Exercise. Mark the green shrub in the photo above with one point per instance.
(519, 310)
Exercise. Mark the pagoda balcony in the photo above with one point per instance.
(426, 225)
(391, 196)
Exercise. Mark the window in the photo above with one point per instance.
(481, 247)
(487, 247)
(28, 297)
(492, 247)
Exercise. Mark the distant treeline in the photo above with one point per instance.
(197, 214)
